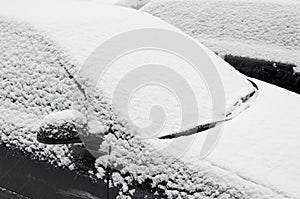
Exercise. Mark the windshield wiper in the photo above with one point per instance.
(207, 126)
(197, 129)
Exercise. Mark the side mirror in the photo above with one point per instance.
(62, 127)
(65, 127)
(69, 127)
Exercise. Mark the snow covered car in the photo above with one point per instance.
(263, 29)
(267, 30)
(259, 39)
(43, 46)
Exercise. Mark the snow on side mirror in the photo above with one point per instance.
(69, 127)
(62, 127)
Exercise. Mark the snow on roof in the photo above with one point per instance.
(263, 29)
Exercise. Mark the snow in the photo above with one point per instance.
(96, 127)
(258, 146)
(39, 47)
(18, 131)
(86, 36)
(62, 127)
(261, 144)
(261, 29)
(136, 4)
(264, 145)
(130, 157)
(65, 116)
(26, 95)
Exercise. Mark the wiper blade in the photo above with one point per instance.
(207, 126)
(197, 129)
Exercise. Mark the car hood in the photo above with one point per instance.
(260, 145)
